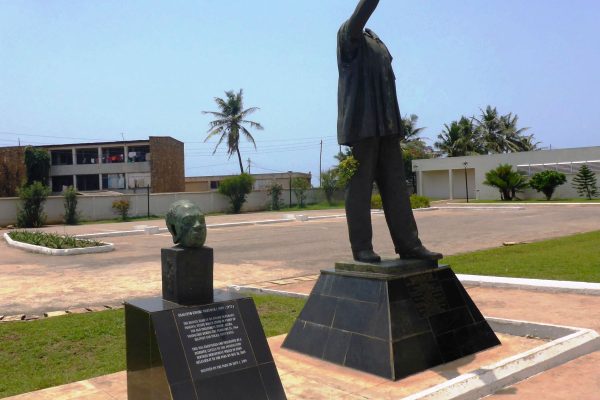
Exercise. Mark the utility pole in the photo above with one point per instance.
(320, 163)
(249, 163)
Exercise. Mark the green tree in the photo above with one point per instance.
(300, 186)
(37, 165)
(585, 182)
(329, 184)
(10, 180)
(31, 211)
(71, 215)
(507, 181)
(236, 188)
(274, 191)
(547, 181)
(231, 123)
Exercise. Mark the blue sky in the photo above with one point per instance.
(73, 71)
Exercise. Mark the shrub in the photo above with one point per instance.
(376, 202)
(71, 214)
(507, 181)
(547, 181)
(417, 201)
(236, 188)
(300, 186)
(274, 191)
(31, 212)
(121, 207)
(585, 182)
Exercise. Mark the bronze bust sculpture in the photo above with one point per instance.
(187, 224)
(369, 122)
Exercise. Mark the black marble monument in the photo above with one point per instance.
(391, 319)
(195, 343)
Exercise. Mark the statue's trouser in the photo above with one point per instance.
(380, 161)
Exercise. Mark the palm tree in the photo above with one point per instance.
(411, 132)
(460, 138)
(230, 122)
(491, 130)
(507, 181)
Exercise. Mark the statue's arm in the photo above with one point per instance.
(359, 18)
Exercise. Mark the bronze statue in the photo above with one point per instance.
(369, 122)
(186, 223)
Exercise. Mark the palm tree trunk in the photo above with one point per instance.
(240, 160)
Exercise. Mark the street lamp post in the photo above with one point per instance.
(290, 174)
(466, 181)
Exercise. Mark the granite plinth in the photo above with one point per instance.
(215, 351)
(187, 275)
(389, 267)
(390, 325)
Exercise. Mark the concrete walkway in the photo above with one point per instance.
(34, 284)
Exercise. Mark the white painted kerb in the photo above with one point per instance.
(58, 252)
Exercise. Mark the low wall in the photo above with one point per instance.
(98, 207)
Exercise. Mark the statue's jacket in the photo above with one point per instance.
(367, 100)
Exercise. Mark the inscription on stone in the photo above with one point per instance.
(214, 339)
(428, 294)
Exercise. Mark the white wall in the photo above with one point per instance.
(99, 207)
(435, 184)
(435, 172)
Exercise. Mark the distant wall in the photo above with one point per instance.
(99, 207)
(167, 165)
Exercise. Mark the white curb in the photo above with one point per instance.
(58, 252)
(587, 288)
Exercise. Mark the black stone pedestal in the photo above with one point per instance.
(187, 275)
(389, 323)
(215, 351)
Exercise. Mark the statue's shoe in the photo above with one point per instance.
(421, 253)
(368, 256)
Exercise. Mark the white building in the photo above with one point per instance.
(454, 177)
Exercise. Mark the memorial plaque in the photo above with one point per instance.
(213, 339)
(427, 293)
(216, 351)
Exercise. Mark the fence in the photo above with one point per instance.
(99, 206)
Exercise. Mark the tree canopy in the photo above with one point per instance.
(487, 133)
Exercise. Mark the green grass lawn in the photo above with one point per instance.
(317, 206)
(532, 201)
(51, 352)
(572, 258)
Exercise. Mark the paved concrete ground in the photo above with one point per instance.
(578, 379)
(33, 283)
(306, 378)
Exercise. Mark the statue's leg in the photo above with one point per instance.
(358, 195)
(391, 182)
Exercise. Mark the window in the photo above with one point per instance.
(138, 154)
(88, 182)
(87, 156)
(61, 157)
(60, 183)
(113, 181)
(214, 185)
(112, 155)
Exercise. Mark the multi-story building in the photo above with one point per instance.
(123, 166)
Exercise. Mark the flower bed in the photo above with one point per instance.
(54, 244)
